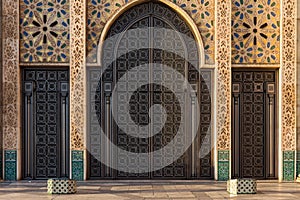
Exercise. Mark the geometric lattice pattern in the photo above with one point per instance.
(61, 186)
(255, 31)
(99, 11)
(44, 31)
(252, 132)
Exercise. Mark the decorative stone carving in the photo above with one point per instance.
(223, 72)
(256, 31)
(288, 75)
(11, 74)
(77, 74)
(44, 31)
(201, 11)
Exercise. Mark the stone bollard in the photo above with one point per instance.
(298, 179)
(61, 186)
(242, 186)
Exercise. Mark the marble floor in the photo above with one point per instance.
(181, 190)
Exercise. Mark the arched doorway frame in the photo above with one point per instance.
(189, 21)
(201, 55)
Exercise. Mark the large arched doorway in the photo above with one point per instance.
(119, 57)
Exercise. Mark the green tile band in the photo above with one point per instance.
(77, 165)
(288, 165)
(1, 170)
(10, 162)
(298, 164)
(223, 165)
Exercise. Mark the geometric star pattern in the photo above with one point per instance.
(44, 31)
(255, 31)
(201, 11)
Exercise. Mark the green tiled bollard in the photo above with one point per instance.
(61, 186)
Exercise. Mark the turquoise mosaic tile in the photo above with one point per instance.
(223, 165)
(10, 162)
(288, 165)
(298, 164)
(1, 170)
(77, 165)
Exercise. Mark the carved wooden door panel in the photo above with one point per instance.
(254, 115)
(188, 165)
(46, 123)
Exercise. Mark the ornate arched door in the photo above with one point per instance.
(138, 35)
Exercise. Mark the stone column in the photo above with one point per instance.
(288, 86)
(77, 87)
(223, 87)
(11, 89)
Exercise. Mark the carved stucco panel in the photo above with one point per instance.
(288, 74)
(223, 72)
(11, 111)
(77, 73)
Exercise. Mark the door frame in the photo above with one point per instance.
(24, 137)
(276, 125)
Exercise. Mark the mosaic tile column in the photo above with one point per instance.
(298, 163)
(10, 159)
(288, 165)
(78, 90)
(223, 77)
(77, 165)
(11, 85)
(288, 85)
(223, 165)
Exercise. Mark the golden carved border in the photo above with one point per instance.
(11, 74)
(223, 73)
(77, 73)
(288, 74)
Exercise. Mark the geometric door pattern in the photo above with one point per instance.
(45, 97)
(148, 15)
(253, 124)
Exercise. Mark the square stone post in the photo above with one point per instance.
(223, 88)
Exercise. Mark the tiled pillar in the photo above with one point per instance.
(78, 90)
(11, 88)
(10, 159)
(223, 86)
(288, 88)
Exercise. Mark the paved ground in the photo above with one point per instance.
(181, 190)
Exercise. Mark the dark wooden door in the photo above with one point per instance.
(189, 165)
(254, 116)
(46, 123)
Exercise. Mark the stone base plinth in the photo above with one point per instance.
(242, 186)
(61, 186)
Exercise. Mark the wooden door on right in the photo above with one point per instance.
(254, 103)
